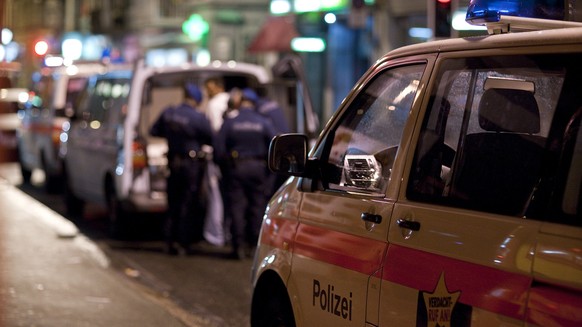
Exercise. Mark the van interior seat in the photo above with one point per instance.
(498, 169)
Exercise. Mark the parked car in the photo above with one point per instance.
(109, 156)
(445, 191)
(54, 91)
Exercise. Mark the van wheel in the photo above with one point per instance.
(26, 174)
(116, 214)
(73, 204)
(52, 183)
(272, 308)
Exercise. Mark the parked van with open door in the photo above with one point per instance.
(109, 156)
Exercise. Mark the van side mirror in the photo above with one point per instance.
(288, 154)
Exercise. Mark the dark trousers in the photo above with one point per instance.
(248, 186)
(186, 208)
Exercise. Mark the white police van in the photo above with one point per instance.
(109, 156)
(54, 91)
(445, 191)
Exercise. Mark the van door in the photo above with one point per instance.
(78, 145)
(462, 238)
(343, 225)
(556, 295)
(291, 90)
(93, 146)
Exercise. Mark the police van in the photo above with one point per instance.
(445, 191)
(54, 91)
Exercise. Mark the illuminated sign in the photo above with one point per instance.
(196, 27)
(308, 44)
(283, 7)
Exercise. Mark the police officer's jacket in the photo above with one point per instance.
(185, 128)
(245, 136)
(272, 110)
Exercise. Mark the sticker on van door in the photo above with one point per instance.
(441, 307)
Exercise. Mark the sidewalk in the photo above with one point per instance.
(50, 275)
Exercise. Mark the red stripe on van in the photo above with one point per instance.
(484, 287)
(554, 306)
(41, 128)
(279, 232)
(344, 250)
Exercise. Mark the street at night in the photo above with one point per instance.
(290, 163)
(202, 289)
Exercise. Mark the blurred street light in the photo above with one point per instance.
(41, 48)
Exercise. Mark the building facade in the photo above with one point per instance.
(130, 29)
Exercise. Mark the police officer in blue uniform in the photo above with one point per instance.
(186, 130)
(241, 149)
(272, 110)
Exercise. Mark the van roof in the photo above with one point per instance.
(217, 67)
(558, 37)
(81, 70)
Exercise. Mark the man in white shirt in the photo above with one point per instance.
(217, 101)
(215, 230)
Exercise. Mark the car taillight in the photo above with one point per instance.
(56, 135)
(59, 133)
(139, 155)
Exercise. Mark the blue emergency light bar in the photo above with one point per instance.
(499, 15)
(481, 12)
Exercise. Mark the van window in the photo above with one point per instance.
(489, 137)
(75, 86)
(102, 101)
(366, 139)
(45, 88)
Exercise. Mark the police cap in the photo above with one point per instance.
(250, 95)
(193, 92)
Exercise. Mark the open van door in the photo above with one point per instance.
(290, 88)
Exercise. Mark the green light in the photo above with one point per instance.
(333, 4)
(302, 6)
(195, 27)
(282, 7)
(308, 44)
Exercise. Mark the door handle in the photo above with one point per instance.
(408, 224)
(373, 218)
